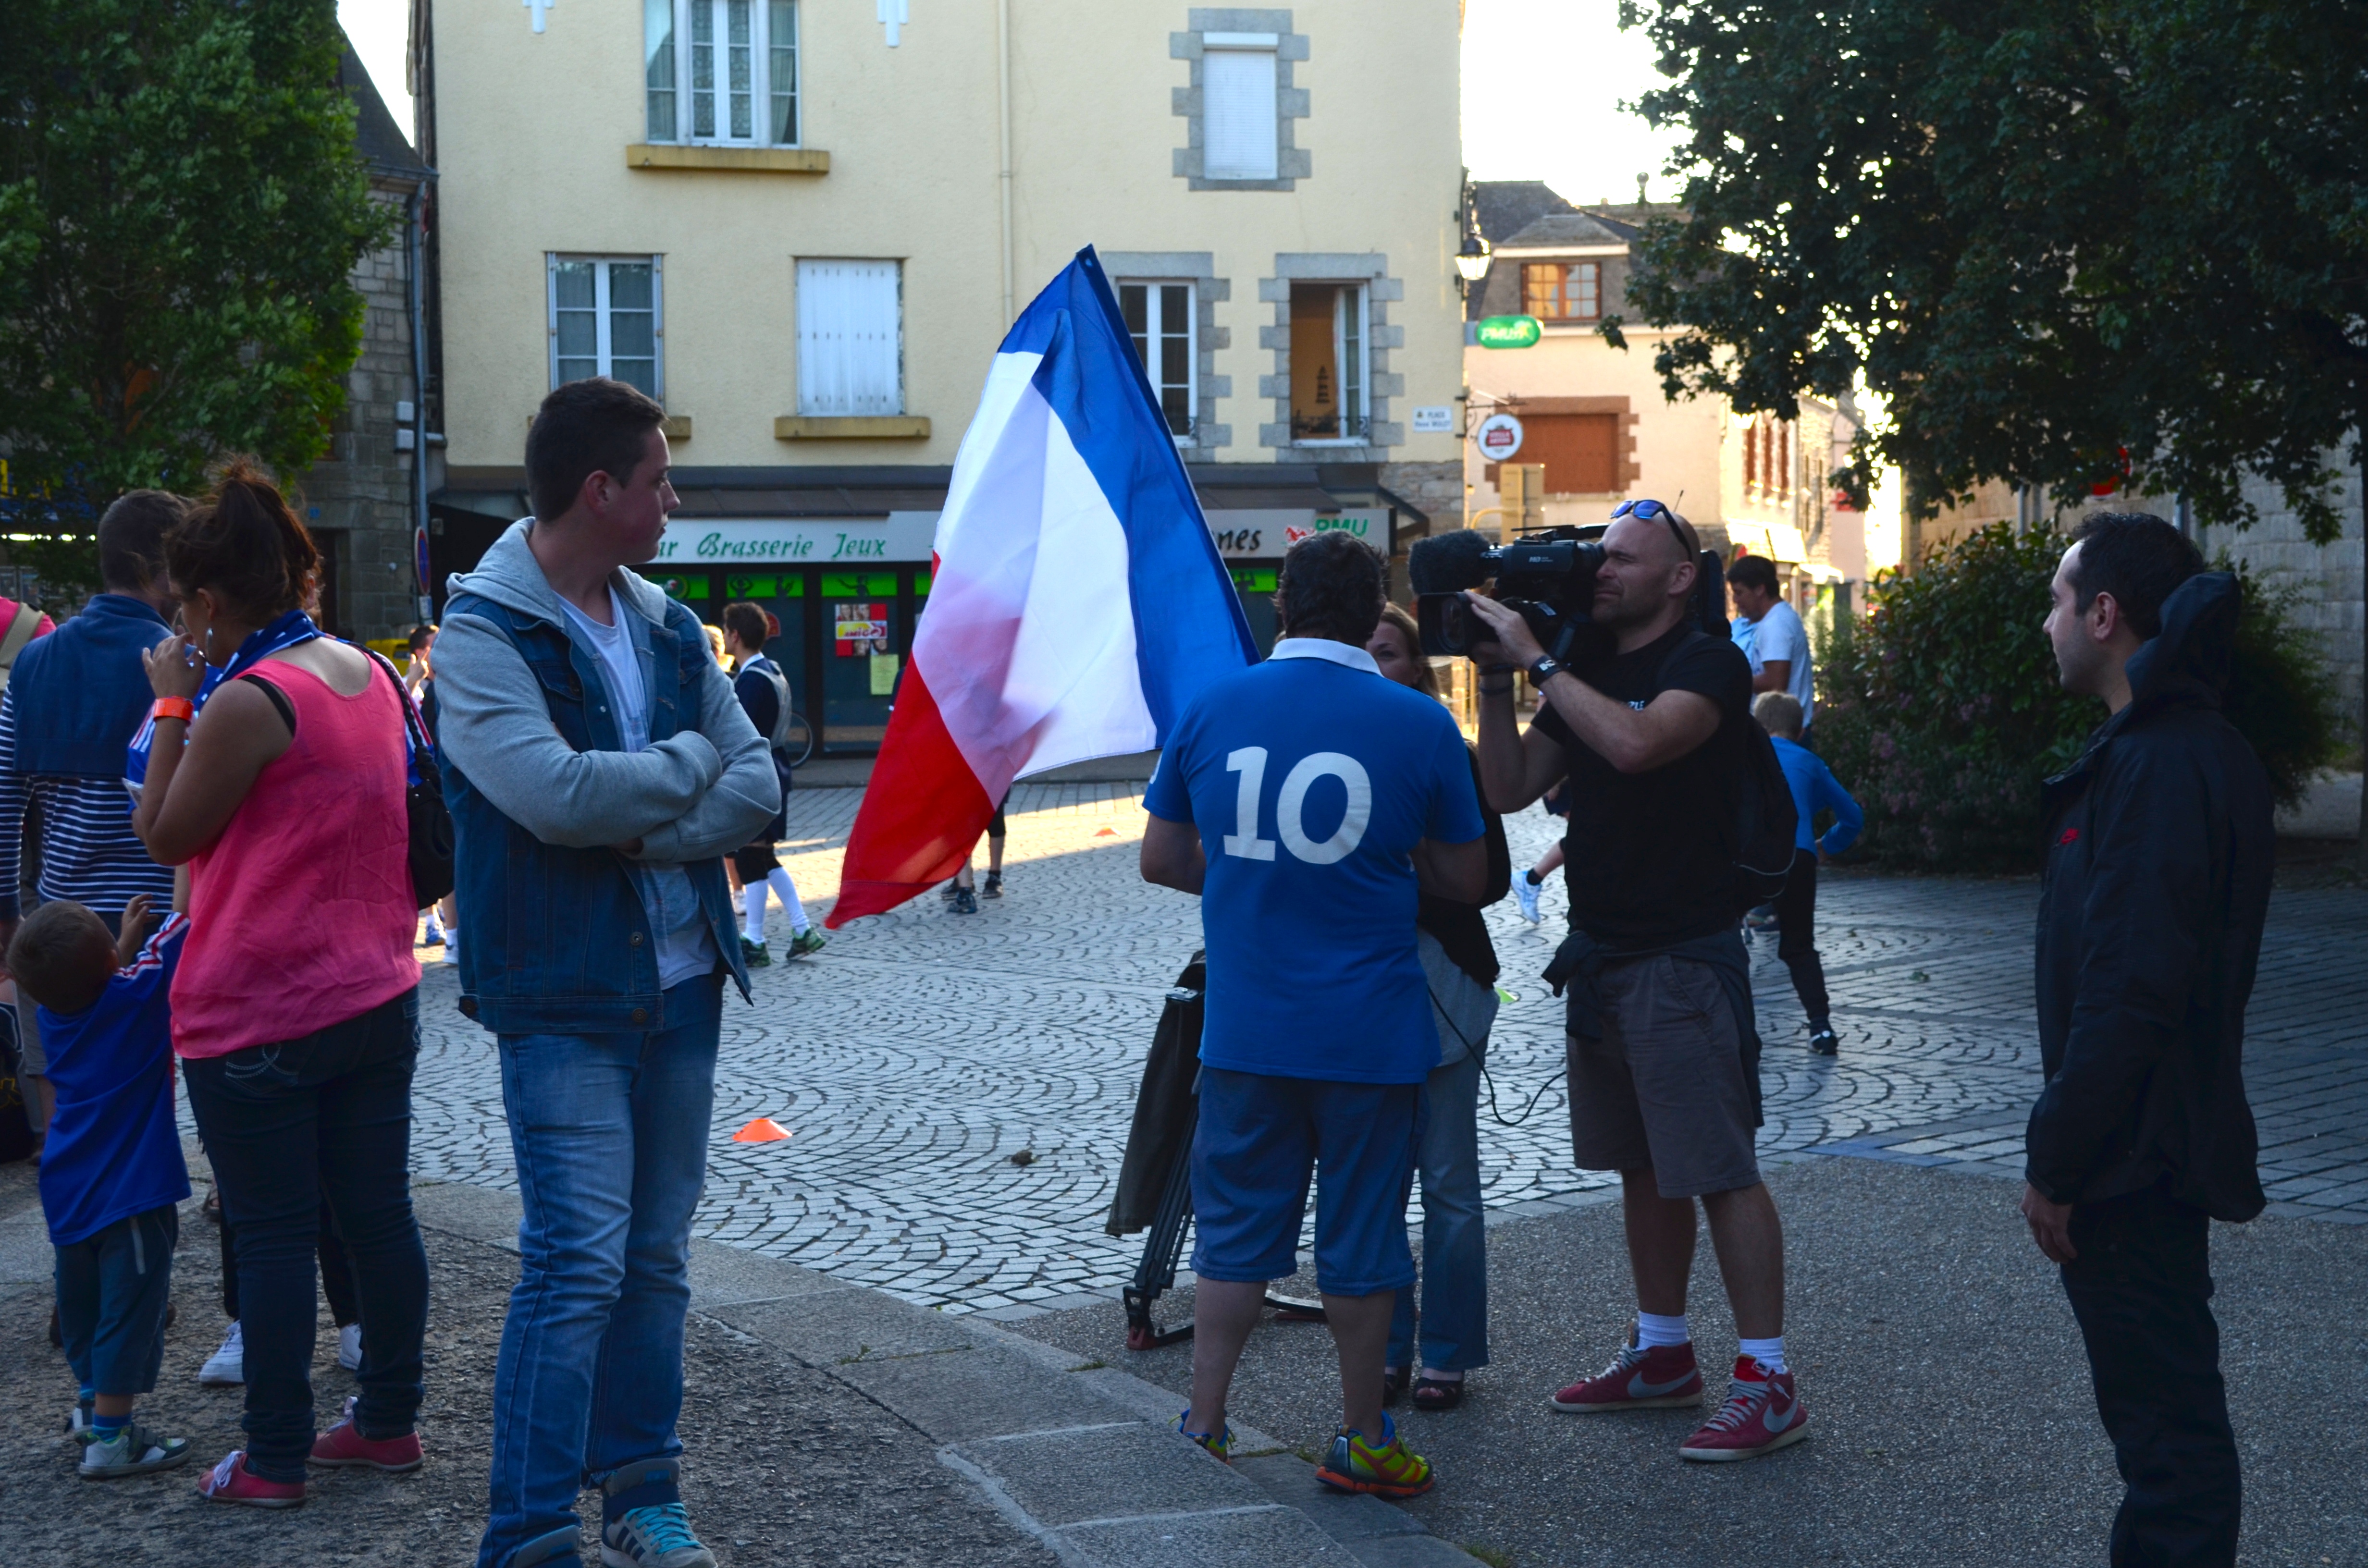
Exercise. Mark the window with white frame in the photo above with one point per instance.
(851, 338)
(1159, 318)
(1328, 336)
(1239, 129)
(721, 70)
(605, 320)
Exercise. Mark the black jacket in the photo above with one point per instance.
(2149, 928)
(1463, 934)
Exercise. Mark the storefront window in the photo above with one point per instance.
(1256, 585)
(862, 655)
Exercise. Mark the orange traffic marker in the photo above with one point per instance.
(1107, 833)
(764, 1129)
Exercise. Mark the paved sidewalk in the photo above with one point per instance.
(1951, 1420)
(923, 1051)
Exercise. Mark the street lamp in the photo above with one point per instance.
(1472, 261)
(1472, 256)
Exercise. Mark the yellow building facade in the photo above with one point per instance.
(804, 227)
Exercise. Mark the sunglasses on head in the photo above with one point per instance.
(1648, 510)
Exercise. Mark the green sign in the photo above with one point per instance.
(1507, 331)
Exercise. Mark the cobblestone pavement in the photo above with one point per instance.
(923, 1050)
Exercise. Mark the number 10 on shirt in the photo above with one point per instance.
(1291, 803)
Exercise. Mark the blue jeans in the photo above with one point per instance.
(113, 1288)
(329, 1115)
(610, 1136)
(1454, 1233)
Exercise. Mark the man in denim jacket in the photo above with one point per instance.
(599, 769)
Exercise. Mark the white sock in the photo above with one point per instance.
(786, 891)
(753, 899)
(1653, 1329)
(1769, 1353)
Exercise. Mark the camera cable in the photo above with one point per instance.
(1480, 1053)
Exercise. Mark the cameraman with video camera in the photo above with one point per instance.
(1663, 1053)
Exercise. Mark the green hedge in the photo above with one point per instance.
(1941, 711)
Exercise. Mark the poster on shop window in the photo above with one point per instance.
(862, 629)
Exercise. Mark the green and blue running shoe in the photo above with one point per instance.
(1388, 1468)
(655, 1537)
(1220, 1444)
(809, 940)
(129, 1450)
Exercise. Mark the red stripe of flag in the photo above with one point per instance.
(921, 816)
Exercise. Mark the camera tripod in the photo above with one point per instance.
(1163, 1248)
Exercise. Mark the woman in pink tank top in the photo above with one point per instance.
(295, 1007)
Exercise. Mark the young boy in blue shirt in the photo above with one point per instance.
(1815, 789)
(112, 1173)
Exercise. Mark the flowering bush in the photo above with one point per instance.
(1941, 711)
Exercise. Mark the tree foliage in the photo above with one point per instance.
(180, 205)
(2050, 234)
(1941, 711)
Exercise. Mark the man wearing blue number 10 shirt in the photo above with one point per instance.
(1308, 801)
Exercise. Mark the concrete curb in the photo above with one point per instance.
(1076, 1455)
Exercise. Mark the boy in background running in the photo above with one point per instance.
(1815, 789)
(1526, 885)
(112, 1175)
(763, 691)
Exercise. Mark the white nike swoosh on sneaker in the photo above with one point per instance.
(1639, 1389)
(1776, 1423)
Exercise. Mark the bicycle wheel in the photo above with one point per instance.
(799, 746)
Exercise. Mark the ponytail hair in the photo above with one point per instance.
(243, 543)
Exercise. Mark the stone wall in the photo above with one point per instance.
(2327, 576)
(1436, 488)
(357, 499)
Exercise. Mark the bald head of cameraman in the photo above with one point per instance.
(1662, 1051)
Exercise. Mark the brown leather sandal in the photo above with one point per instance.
(1437, 1394)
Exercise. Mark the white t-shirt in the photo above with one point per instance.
(627, 689)
(686, 946)
(1778, 634)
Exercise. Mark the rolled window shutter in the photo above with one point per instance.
(1237, 114)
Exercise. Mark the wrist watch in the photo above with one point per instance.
(1545, 669)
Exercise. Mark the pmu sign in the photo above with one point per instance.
(1507, 331)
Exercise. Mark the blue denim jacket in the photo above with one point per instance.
(560, 939)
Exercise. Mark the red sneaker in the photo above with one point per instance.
(232, 1482)
(1638, 1378)
(1762, 1414)
(343, 1447)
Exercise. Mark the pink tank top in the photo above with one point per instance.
(301, 913)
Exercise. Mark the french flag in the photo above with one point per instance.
(1078, 604)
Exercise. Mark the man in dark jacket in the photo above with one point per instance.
(2149, 926)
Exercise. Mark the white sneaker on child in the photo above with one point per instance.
(227, 1366)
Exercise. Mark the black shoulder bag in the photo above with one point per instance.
(431, 823)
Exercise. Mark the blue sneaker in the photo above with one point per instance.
(655, 1537)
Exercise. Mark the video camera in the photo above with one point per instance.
(1547, 577)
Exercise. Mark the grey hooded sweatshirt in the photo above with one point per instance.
(702, 792)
